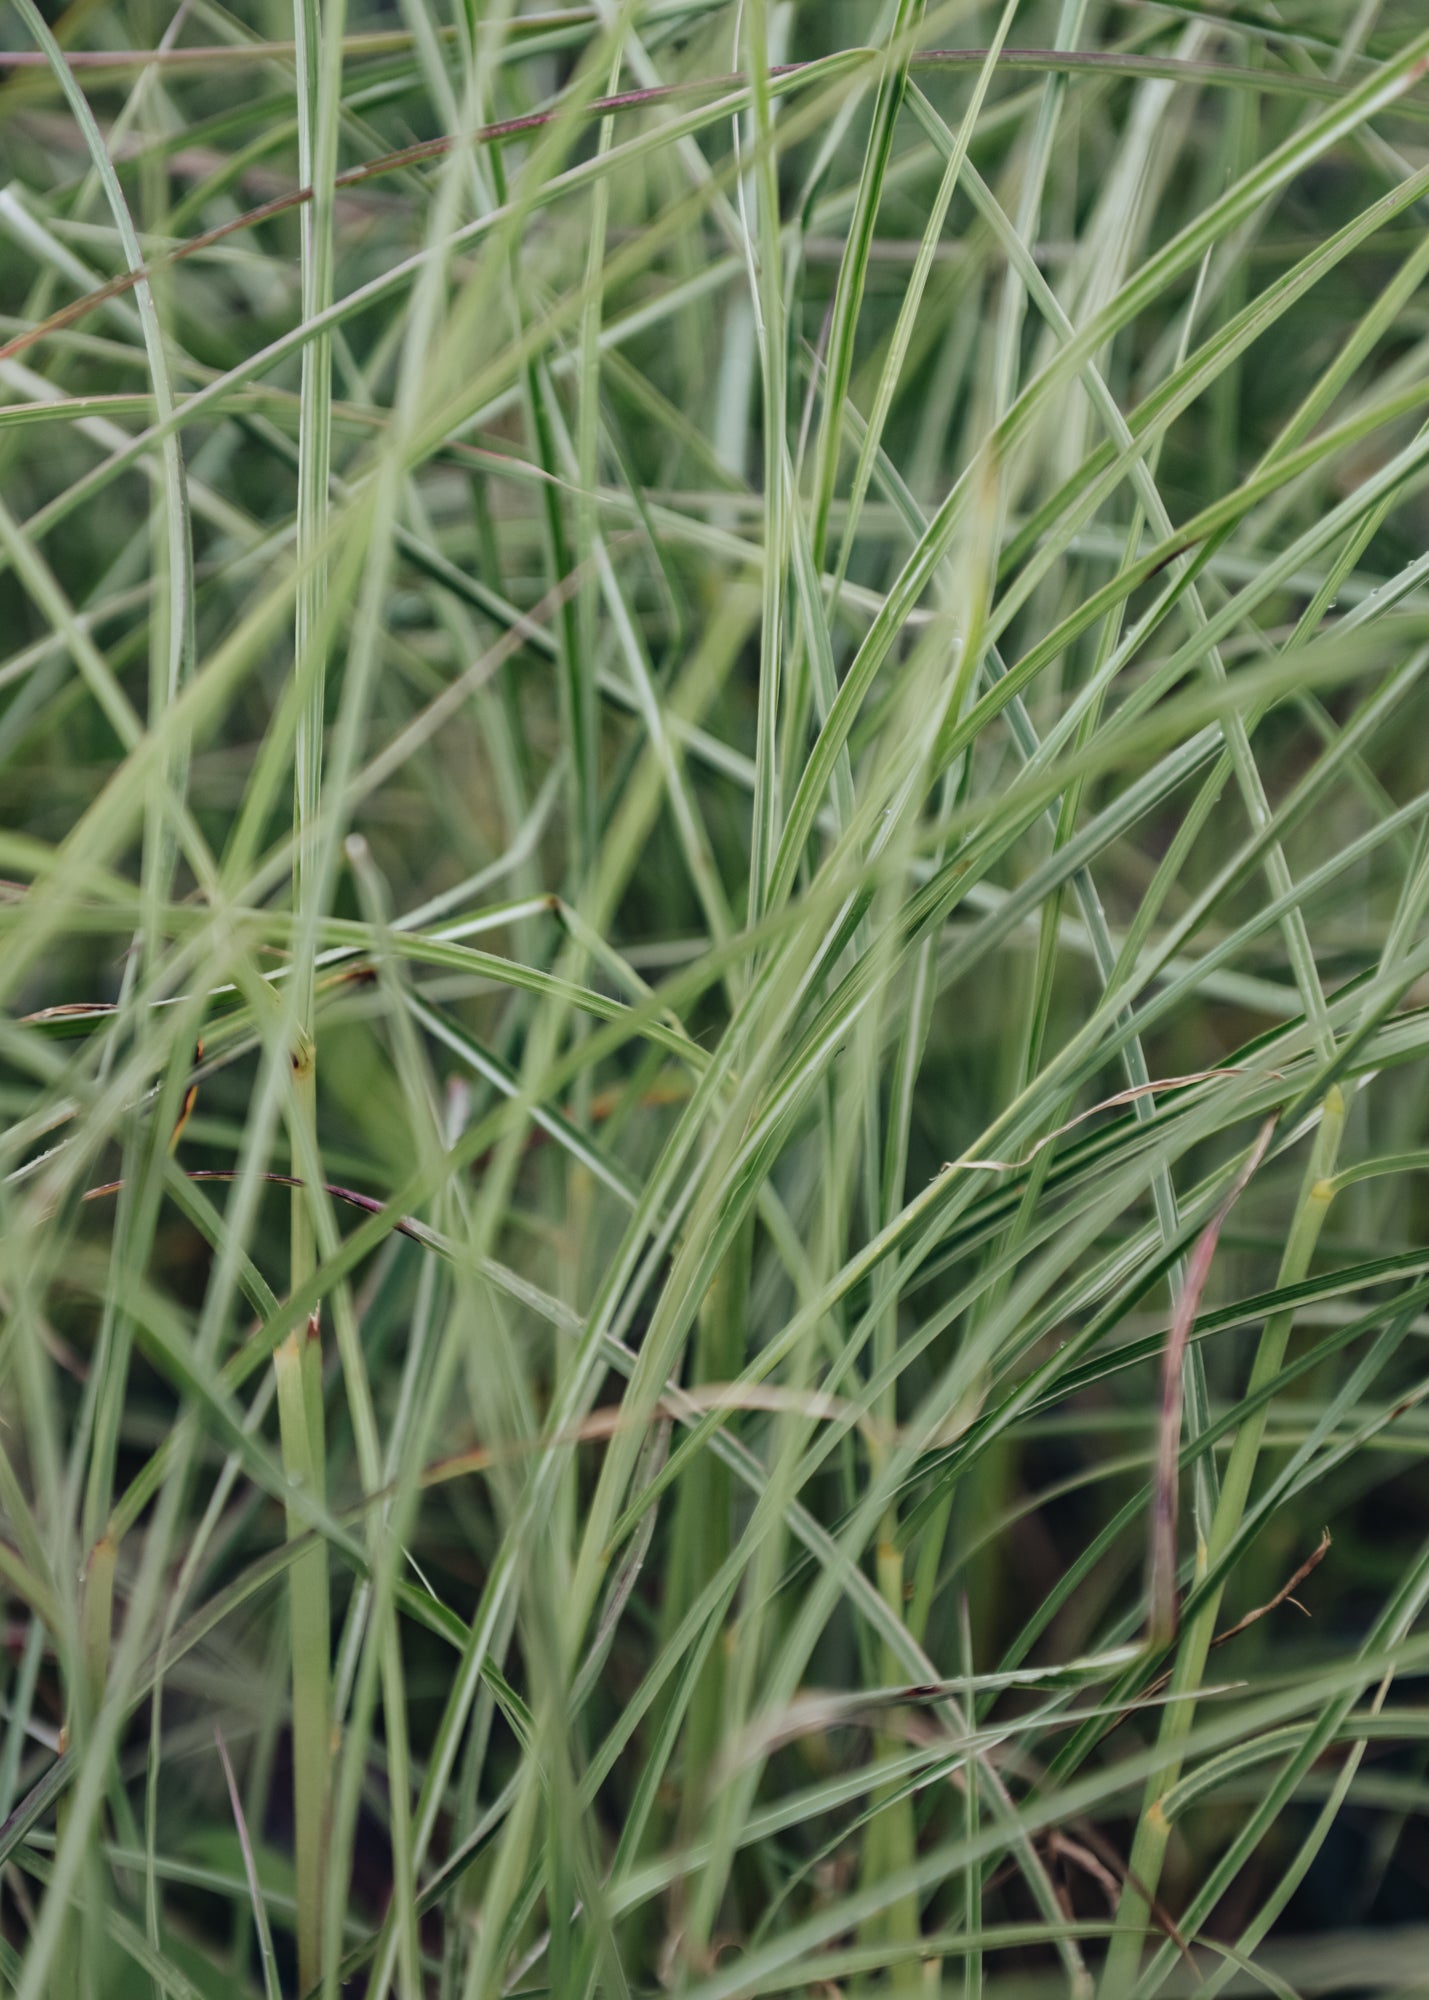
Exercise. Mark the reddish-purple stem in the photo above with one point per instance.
(1166, 1494)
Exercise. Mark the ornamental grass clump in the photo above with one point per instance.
(715, 1044)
